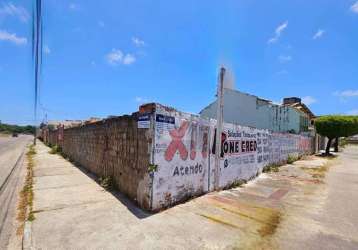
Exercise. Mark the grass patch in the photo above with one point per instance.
(55, 150)
(291, 159)
(25, 205)
(271, 168)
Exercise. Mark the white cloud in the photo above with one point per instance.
(140, 99)
(308, 100)
(16, 11)
(47, 50)
(353, 112)
(278, 32)
(116, 56)
(354, 7)
(129, 59)
(6, 36)
(346, 93)
(318, 34)
(138, 42)
(284, 59)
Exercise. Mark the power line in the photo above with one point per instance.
(37, 53)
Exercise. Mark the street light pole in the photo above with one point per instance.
(219, 122)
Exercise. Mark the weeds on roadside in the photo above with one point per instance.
(106, 182)
(25, 206)
(55, 150)
(31, 151)
(271, 168)
(235, 184)
(291, 159)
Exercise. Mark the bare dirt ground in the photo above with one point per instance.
(310, 204)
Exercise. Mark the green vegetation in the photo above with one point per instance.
(235, 184)
(152, 168)
(25, 206)
(106, 183)
(271, 168)
(335, 126)
(55, 150)
(9, 129)
(291, 159)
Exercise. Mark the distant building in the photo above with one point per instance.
(249, 110)
(296, 103)
(65, 123)
(92, 120)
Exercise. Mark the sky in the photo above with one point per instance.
(104, 58)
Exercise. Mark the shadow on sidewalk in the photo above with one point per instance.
(131, 206)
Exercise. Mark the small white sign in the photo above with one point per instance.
(144, 121)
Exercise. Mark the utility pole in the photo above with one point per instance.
(37, 54)
(219, 123)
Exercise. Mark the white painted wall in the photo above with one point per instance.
(181, 173)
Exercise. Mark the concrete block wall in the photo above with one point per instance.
(52, 136)
(113, 148)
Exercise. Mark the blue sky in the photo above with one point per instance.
(106, 57)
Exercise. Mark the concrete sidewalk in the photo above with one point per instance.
(73, 212)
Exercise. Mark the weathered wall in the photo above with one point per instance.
(185, 156)
(161, 156)
(249, 110)
(181, 155)
(113, 148)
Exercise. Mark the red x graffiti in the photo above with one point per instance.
(176, 143)
(204, 151)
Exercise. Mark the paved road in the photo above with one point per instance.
(12, 171)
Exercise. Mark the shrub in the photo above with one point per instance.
(55, 150)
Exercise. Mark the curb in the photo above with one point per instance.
(27, 237)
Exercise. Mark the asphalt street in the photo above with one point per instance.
(12, 172)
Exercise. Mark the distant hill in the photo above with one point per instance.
(8, 129)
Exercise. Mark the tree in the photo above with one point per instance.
(8, 128)
(335, 126)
